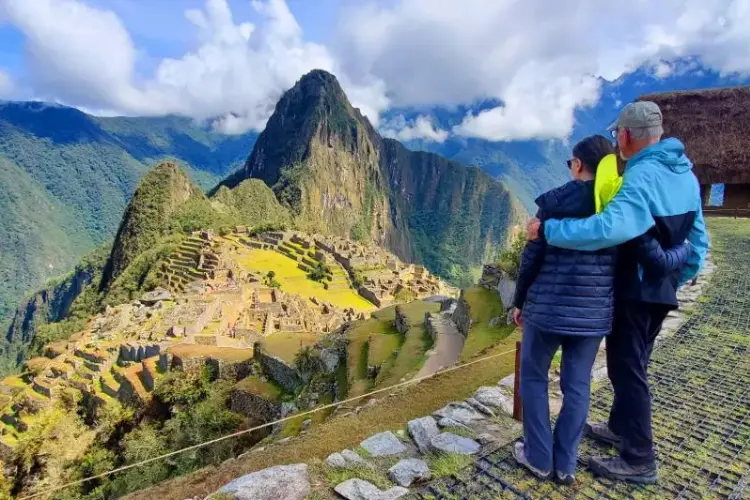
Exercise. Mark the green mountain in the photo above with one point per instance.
(66, 176)
(337, 175)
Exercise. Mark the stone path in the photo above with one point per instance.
(700, 379)
(448, 346)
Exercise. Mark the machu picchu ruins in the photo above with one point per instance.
(222, 300)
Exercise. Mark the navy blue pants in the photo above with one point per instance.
(629, 349)
(546, 450)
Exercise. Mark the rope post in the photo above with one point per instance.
(517, 409)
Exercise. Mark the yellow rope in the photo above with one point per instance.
(268, 424)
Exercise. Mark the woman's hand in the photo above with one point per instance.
(517, 316)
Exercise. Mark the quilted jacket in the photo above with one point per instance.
(571, 292)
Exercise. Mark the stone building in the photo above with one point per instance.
(713, 125)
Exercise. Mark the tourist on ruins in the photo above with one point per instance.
(565, 298)
(659, 197)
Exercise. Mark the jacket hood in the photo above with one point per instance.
(668, 152)
(575, 198)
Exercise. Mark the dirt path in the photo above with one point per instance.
(447, 348)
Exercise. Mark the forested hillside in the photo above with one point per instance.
(65, 177)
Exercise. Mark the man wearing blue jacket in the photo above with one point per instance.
(660, 196)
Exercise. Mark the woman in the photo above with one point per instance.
(565, 298)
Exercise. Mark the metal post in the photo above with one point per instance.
(517, 409)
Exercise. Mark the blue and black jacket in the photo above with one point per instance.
(659, 198)
(571, 292)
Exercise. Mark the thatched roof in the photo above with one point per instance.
(714, 125)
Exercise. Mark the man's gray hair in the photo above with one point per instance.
(643, 133)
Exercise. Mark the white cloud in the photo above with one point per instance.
(6, 85)
(84, 57)
(536, 57)
(419, 128)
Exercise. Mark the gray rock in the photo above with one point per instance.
(486, 438)
(383, 444)
(408, 471)
(330, 360)
(494, 397)
(450, 443)
(346, 459)
(421, 431)
(460, 412)
(306, 424)
(449, 422)
(290, 482)
(357, 489)
(287, 408)
(480, 407)
(157, 295)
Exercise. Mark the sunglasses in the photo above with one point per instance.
(569, 163)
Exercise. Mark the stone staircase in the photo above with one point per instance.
(182, 265)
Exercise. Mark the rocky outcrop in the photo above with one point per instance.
(402, 322)
(462, 315)
(421, 431)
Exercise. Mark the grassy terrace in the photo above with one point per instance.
(224, 353)
(286, 345)
(700, 380)
(256, 385)
(295, 280)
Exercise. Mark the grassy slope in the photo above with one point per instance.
(485, 305)
(70, 175)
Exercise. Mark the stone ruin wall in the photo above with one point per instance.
(258, 409)
(282, 373)
(402, 322)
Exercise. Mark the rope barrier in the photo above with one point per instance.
(263, 426)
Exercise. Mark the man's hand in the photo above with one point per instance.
(532, 229)
(517, 316)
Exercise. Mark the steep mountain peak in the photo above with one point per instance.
(315, 106)
(161, 192)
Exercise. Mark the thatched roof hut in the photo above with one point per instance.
(714, 125)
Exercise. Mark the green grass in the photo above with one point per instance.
(461, 431)
(448, 464)
(286, 345)
(255, 385)
(485, 305)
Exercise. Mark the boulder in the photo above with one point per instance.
(480, 407)
(346, 459)
(290, 482)
(156, 295)
(357, 489)
(460, 412)
(330, 359)
(421, 431)
(408, 471)
(449, 422)
(447, 442)
(494, 397)
(383, 444)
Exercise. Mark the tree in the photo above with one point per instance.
(510, 258)
(307, 360)
(319, 271)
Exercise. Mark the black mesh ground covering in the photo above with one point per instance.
(700, 379)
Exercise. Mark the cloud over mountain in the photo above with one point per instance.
(541, 60)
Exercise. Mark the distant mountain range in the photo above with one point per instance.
(66, 176)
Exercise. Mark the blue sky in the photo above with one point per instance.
(228, 61)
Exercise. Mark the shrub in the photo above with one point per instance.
(510, 258)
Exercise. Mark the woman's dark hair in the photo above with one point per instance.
(591, 150)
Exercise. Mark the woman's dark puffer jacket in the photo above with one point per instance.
(571, 292)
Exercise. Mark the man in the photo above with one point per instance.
(660, 197)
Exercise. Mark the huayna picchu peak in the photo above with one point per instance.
(337, 175)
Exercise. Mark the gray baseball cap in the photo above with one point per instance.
(639, 114)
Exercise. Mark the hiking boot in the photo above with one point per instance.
(617, 469)
(565, 479)
(600, 432)
(519, 454)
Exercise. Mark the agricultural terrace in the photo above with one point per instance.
(294, 280)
